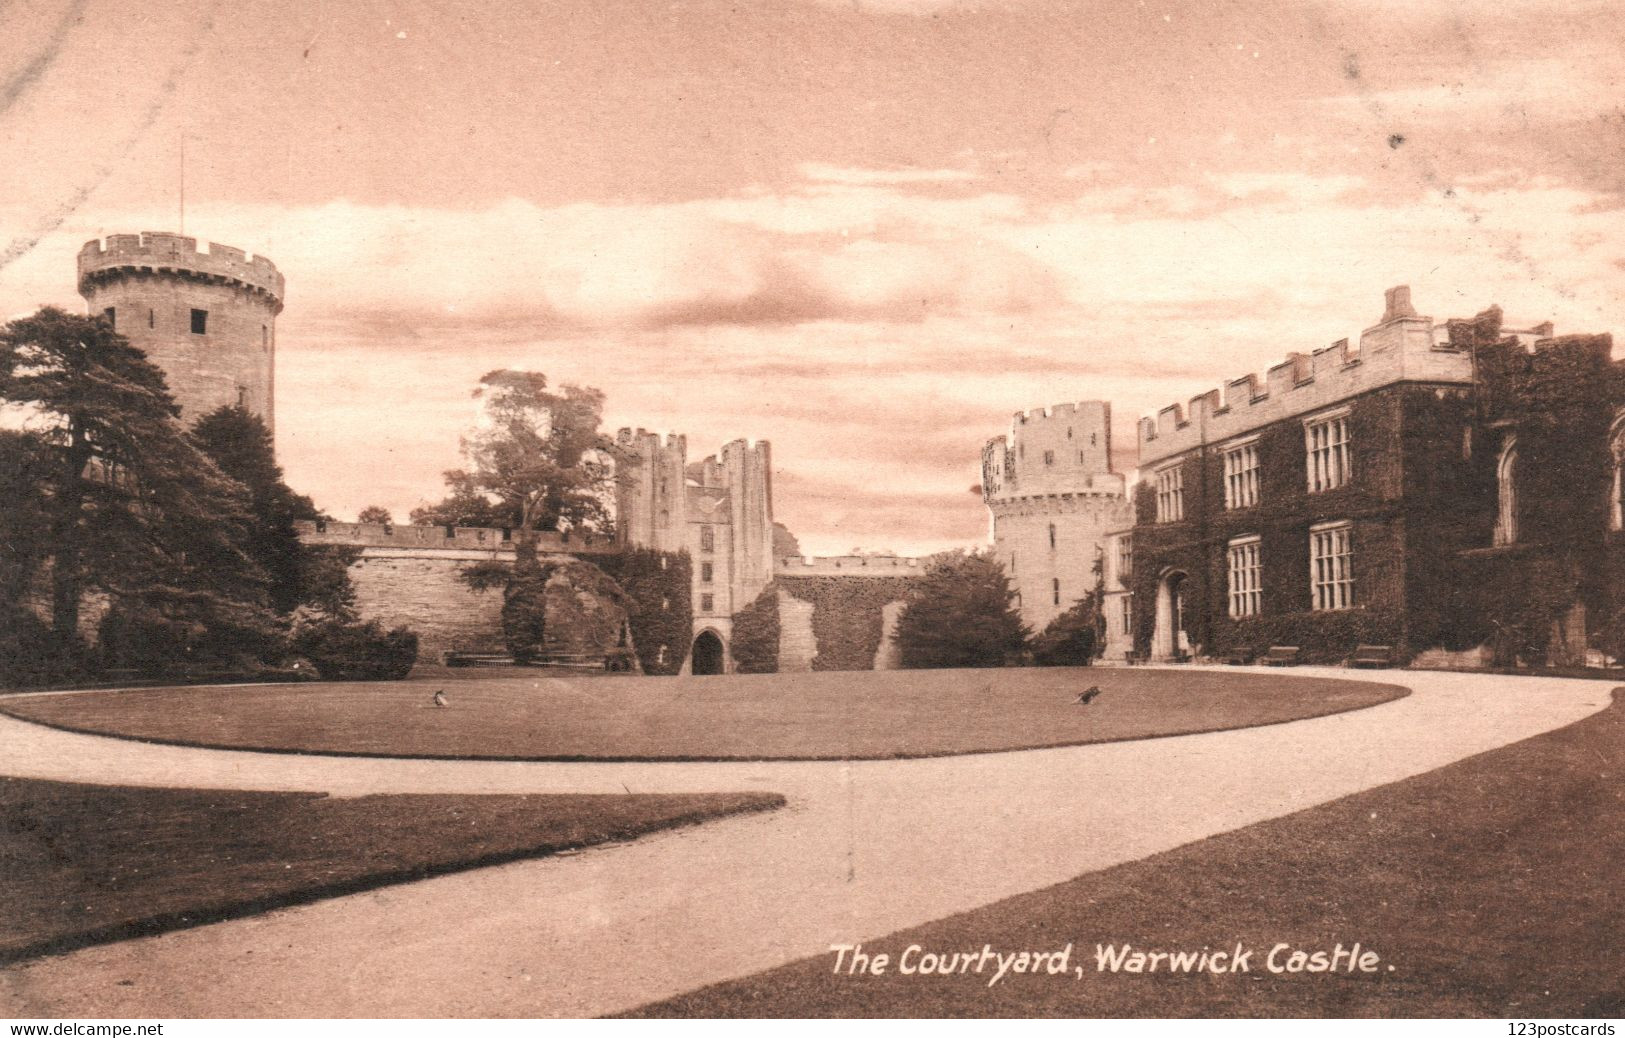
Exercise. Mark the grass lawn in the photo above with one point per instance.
(82, 864)
(531, 716)
(1494, 887)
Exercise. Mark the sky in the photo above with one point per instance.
(867, 231)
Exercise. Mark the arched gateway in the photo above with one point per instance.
(707, 654)
(1169, 640)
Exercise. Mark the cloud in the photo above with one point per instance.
(878, 333)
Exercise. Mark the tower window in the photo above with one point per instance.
(265, 335)
(200, 322)
(152, 318)
(705, 573)
(708, 538)
(1049, 457)
(1052, 536)
(1055, 585)
(707, 603)
(109, 313)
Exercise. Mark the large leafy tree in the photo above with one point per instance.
(131, 509)
(536, 462)
(961, 613)
(241, 446)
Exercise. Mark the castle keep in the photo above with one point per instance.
(1053, 499)
(208, 319)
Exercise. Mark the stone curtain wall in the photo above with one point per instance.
(798, 647)
(412, 576)
(427, 595)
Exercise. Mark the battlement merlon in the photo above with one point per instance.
(644, 445)
(1403, 347)
(444, 538)
(154, 252)
(847, 566)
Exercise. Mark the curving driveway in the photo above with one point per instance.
(863, 849)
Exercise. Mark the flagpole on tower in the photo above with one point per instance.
(183, 183)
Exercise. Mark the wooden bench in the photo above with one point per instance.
(1240, 657)
(477, 659)
(1281, 656)
(1372, 656)
(1136, 659)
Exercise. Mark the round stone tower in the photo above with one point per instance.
(1054, 498)
(208, 319)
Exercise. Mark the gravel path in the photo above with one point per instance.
(863, 849)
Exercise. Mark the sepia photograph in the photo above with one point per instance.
(811, 509)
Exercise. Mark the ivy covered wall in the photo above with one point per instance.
(848, 621)
(1423, 506)
(659, 604)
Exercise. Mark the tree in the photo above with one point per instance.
(375, 514)
(131, 508)
(961, 613)
(25, 651)
(536, 463)
(240, 445)
(1076, 637)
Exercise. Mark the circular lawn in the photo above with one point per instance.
(525, 715)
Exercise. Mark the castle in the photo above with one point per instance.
(1375, 495)
(1352, 495)
(208, 320)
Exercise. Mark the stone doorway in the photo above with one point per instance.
(707, 655)
(1168, 640)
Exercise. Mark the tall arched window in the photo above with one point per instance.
(1506, 479)
(1052, 535)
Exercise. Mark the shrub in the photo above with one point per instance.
(961, 613)
(27, 653)
(1071, 639)
(343, 650)
(524, 610)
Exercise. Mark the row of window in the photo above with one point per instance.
(1331, 570)
(1329, 464)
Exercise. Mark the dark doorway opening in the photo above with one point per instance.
(707, 654)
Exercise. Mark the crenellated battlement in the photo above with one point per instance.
(646, 442)
(1064, 448)
(1403, 346)
(494, 543)
(1086, 408)
(157, 252)
(846, 566)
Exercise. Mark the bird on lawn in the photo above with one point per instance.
(1088, 696)
(439, 697)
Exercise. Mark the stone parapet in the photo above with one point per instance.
(154, 252)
